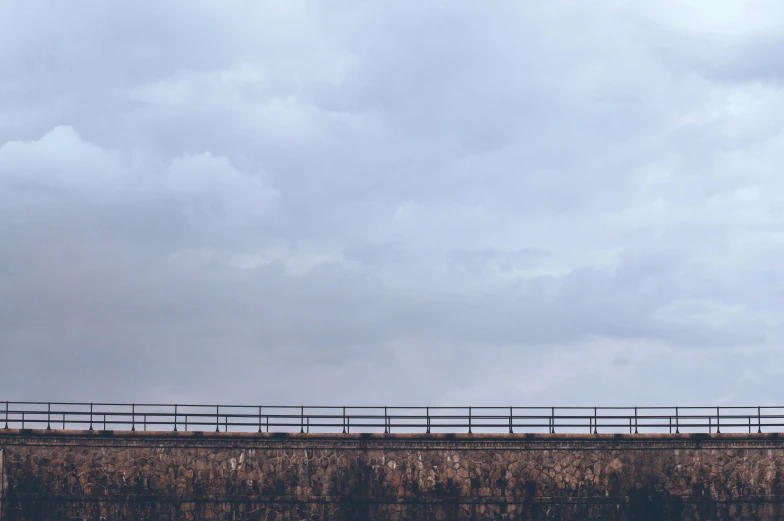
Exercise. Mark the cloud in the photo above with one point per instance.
(408, 203)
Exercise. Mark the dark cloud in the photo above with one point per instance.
(399, 202)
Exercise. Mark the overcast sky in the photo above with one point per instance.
(392, 202)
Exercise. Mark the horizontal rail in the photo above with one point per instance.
(347, 419)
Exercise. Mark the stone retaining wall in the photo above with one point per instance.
(69, 476)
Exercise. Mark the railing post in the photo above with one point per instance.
(469, 419)
(677, 421)
(133, 417)
(268, 423)
(427, 414)
(104, 421)
(302, 420)
(595, 428)
(718, 421)
(635, 421)
(348, 424)
(186, 423)
(225, 423)
(510, 421)
(344, 419)
(175, 417)
(710, 426)
(217, 418)
(552, 419)
(23, 421)
(386, 424)
(759, 421)
(91, 416)
(670, 424)
(6, 415)
(49, 416)
(145, 422)
(259, 418)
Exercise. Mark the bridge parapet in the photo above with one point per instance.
(358, 476)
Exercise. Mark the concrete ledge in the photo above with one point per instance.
(56, 433)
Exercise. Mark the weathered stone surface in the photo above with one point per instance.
(189, 476)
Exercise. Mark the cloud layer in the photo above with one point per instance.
(445, 203)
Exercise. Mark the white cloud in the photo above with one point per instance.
(61, 165)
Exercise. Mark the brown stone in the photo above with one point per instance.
(158, 476)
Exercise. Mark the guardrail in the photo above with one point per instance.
(345, 419)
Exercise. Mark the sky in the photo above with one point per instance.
(392, 202)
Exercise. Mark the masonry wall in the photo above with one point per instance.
(230, 477)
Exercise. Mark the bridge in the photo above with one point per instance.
(68, 461)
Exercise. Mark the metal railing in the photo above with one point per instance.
(345, 419)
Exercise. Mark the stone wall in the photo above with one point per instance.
(231, 477)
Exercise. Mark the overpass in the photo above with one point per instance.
(220, 462)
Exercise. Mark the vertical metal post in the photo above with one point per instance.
(63, 421)
(104, 421)
(718, 421)
(348, 424)
(268, 423)
(344, 419)
(91, 416)
(225, 423)
(23, 421)
(710, 427)
(510, 421)
(302, 419)
(635, 421)
(48, 416)
(670, 424)
(6, 415)
(217, 418)
(386, 424)
(259, 418)
(133, 417)
(308, 424)
(469, 419)
(552, 419)
(427, 413)
(595, 428)
(677, 421)
(186, 423)
(749, 424)
(175, 417)
(759, 421)
(145, 422)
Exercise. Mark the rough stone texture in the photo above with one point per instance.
(231, 477)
